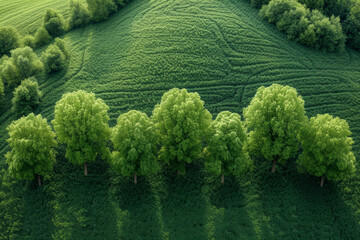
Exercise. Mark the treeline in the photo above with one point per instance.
(181, 131)
(321, 24)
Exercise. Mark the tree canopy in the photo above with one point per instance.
(32, 143)
(54, 23)
(135, 145)
(81, 122)
(226, 153)
(326, 144)
(182, 122)
(275, 117)
(9, 40)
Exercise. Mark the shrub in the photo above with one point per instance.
(29, 41)
(352, 28)
(26, 98)
(56, 57)
(100, 10)
(9, 39)
(79, 14)
(42, 37)
(54, 23)
(22, 64)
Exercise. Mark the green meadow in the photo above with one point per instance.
(221, 49)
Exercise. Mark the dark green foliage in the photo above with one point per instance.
(100, 10)
(81, 122)
(226, 153)
(135, 144)
(32, 143)
(54, 23)
(327, 144)
(310, 28)
(339, 8)
(2, 88)
(352, 27)
(259, 3)
(79, 14)
(26, 98)
(9, 39)
(42, 37)
(182, 122)
(56, 57)
(313, 4)
(121, 3)
(22, 64)
(29, 41)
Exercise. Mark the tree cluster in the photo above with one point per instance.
(56, 57)
(181, 131)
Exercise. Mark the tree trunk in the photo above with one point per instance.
(222, 178)
(322, 181)
(135, 178)
(39, 180)
(85, 169)
(273, 166)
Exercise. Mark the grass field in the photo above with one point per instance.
(224, 51)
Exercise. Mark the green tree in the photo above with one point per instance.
(54, 23)
(326, 144)
(226, 153)
(81, 122)
(42, 37)
(79, 14)
(134, 138)
(29, 41)
(100, 10)
(22, 64)
(2, 89)
(275, 117)
(182, 123)
(26, 98)
(9, 39)
(56, 57)
(32, 143)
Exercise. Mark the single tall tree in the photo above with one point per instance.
(226, 153)
(134, 138)
(81, 122)
(32, 143)
(275, 117)
(326, 146)
(182, 123)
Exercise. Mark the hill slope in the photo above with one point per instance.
(224, 51)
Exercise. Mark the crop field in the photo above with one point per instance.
(224, 51)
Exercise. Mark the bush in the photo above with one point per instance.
(22, 64)
(54, 23)
(56, 57)
(42, 37)
(352, 28)
(26, 97)
(100, 10)
(310, 28)
(79, 14)
(9, 39)
(29, 41)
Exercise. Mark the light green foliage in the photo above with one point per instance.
(29, 41)
(54, 23)
(22, 64)
(326, 144)
(182, 122)
(32, 143)
(42, 37)
(226, 146)
(100, 10)
(26, 98)
(56, 57)
(134, 138)
(81, 122)
(275, 117)
(9, 39)
(2, 89)
(79, 14)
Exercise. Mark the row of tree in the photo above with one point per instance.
(177, 132)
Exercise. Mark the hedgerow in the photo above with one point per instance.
(79, 14)
(100, 10)
(54, 23)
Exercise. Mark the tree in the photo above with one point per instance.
(100, 10)
(134, 138)
(22, 64)
(182, 123)
(56, 57)
(225, 152)
(81, 122)
(54, 23)
(32, 143)
(275, 117)
(79, 14)
(26, 98)
(42, 37)
(9, 40)
(1, 89)
(327, 148)
(29, 41)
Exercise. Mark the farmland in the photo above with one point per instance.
(224, 51)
